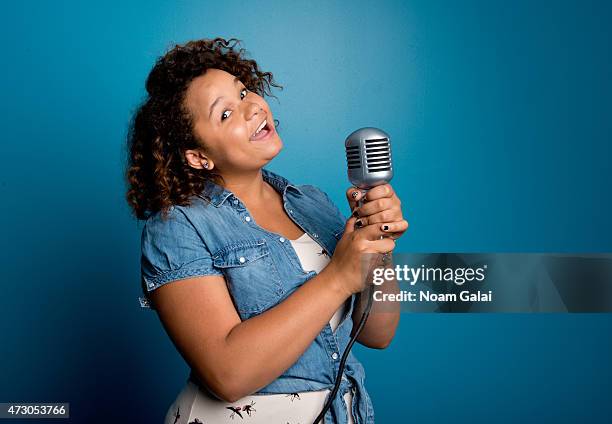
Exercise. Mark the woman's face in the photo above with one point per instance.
(226, 118)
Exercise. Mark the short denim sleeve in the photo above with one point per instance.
(172, 250)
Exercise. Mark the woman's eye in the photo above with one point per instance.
(227, 113)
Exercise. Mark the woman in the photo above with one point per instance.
(268, 270)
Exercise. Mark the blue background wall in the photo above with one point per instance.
(500, 120)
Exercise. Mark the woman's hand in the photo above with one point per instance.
(381, 206)
(348, 267)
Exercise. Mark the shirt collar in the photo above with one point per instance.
(216, 194)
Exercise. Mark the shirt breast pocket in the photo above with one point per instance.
(251, 276)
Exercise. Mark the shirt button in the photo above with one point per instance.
(247, 218)
(151, 284)
(315, 235)
(242, 259)
(291, 211)
(334, 356)
(235, 201)
(282, 239)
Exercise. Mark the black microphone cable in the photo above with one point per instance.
(354, 335)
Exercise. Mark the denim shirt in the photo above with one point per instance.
(216, 235)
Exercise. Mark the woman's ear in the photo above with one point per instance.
(196, 159)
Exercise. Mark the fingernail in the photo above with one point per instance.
(385, 227)
(355, 194)
(355, 213)
(359, 223)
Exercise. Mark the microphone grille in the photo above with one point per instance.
(378, 154)
(353, 157)
(368, 157)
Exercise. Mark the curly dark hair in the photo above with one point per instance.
(161, 129)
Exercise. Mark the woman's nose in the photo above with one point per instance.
(252, 110)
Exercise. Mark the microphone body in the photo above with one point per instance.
(369, 163)
(368, 158)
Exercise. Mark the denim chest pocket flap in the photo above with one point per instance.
(251, 276)
(241, 254)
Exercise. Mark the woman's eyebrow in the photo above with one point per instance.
(236, 79)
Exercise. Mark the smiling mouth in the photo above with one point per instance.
(262, 131)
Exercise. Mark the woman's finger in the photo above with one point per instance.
(387, 215)
(374, 206)
(353, 194)
(394, 227)
(379, 192)
(369, 232)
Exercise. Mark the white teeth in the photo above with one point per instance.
(263, 124)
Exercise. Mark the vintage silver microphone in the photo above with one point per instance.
(368, 158)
